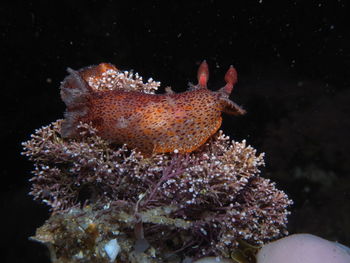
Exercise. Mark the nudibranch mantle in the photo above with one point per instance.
(124, 110)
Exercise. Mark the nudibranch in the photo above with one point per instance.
(150, 123)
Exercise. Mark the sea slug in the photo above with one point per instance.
(151, 123)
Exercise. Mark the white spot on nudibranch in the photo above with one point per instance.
(122, 123)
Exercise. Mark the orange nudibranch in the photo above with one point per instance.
(151, 123)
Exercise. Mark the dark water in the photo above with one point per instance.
(293, 62)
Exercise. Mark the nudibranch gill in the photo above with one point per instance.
(150, 123)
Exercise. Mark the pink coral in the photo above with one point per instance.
(216, 189)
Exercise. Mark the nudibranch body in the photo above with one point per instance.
(151, 123)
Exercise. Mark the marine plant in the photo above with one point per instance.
(113, 203)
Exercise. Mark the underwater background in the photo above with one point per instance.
(293, 64)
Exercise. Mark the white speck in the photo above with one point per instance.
(176, 151)
(112, 249)
(122, 123)
(204, 231)
(79, 255)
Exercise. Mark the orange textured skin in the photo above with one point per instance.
(151, 123)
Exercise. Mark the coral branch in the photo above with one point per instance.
(200, 203)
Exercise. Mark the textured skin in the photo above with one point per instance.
(151, 123)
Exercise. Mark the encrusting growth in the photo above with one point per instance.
(151, 123)
(114, 203)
